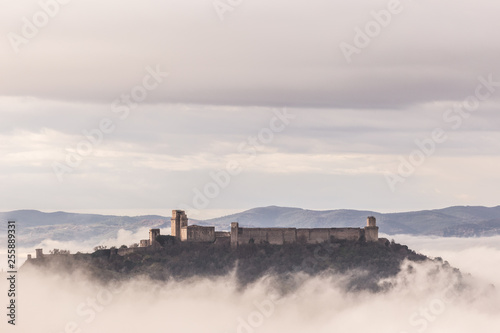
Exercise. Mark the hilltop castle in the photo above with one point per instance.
(239, 235)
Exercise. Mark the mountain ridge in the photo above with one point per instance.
(457, 221)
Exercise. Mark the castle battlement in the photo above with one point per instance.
(183, 232)
(239, 235)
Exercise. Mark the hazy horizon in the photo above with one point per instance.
(207, 214)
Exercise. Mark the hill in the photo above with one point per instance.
(365, 264)
(461, 221)
(34, 226)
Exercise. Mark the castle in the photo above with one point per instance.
(239, 235)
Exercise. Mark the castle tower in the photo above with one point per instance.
(371, 221)
(234, 234)
(371, 229)
(39, 253)
(179, 220)
(153, 233)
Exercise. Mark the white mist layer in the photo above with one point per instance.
(478, 256)
(123, 237)
(422, 300)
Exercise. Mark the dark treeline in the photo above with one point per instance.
(367, 263)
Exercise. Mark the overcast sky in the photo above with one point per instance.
(179, 89)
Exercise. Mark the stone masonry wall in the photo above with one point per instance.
(371, 234)
(199, 234)
(291, 235)
(350, 234)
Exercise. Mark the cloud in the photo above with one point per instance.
(224, 80)
(292, 55)
(123, 237)
(473, 255)
(157, 157)
(422, 300)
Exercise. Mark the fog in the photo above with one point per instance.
(123, 237)
(478, 256)
(423, 299)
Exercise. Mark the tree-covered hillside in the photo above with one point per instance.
(367, 262)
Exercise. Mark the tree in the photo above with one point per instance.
(100, 247)
(57, 251)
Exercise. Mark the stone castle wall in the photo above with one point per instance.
(371, 234)
(271, 235)
(281, 236)
(350, 234)
(195, 233)
(238, 236)
(222, 238)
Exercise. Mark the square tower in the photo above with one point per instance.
(371, 221)
(153, 233)
(371, 229)
(179, 220)
(235, 227)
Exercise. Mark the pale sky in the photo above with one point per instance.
(355, 85)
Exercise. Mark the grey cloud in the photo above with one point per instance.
(281, 54)
(261, 55)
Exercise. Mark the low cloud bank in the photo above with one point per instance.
(423, 299)
(477, 256)
(123, 237)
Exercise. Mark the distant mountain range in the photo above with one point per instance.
(460, 221)
(33, 226)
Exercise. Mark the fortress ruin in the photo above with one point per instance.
(181, 230)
